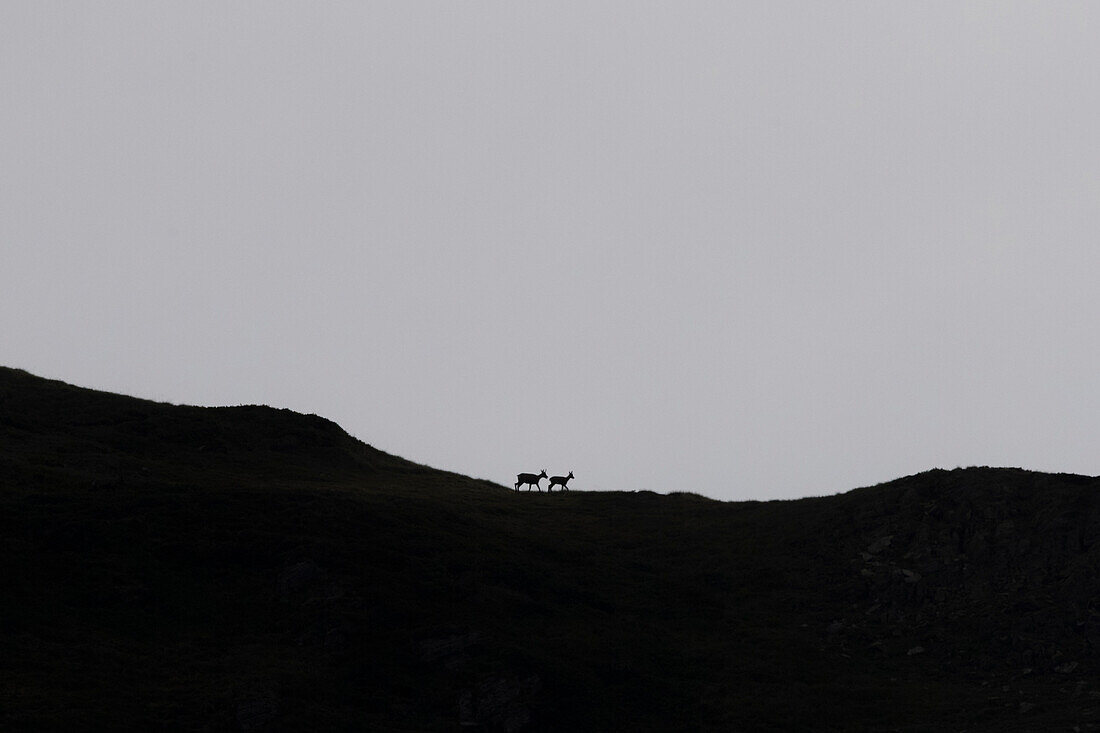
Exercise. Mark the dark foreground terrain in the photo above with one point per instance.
(182, 568)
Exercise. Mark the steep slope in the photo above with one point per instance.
(248, 568)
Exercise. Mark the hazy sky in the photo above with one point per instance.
(748, 249)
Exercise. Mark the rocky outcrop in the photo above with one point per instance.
(257, 709)
(1001, 563)
(498, 703)
(500, 700)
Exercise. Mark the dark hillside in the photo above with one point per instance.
(245, 568)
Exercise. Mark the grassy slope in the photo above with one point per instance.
(219, 568)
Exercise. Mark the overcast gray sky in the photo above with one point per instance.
(748, 249)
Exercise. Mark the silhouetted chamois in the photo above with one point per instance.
(530, 478)
(560, 481)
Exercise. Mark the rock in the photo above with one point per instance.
(498, 703)
(256, 710)
(880, 544)
(928, 565)
(297, 578)
(335, 639)
(466, 716)
(447, 646)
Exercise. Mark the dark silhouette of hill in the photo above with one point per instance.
(246, 568)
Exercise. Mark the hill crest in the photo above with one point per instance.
(251, 568)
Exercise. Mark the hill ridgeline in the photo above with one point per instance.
(247, 568)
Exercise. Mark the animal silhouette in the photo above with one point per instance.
(560, 481)
(530, 479)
